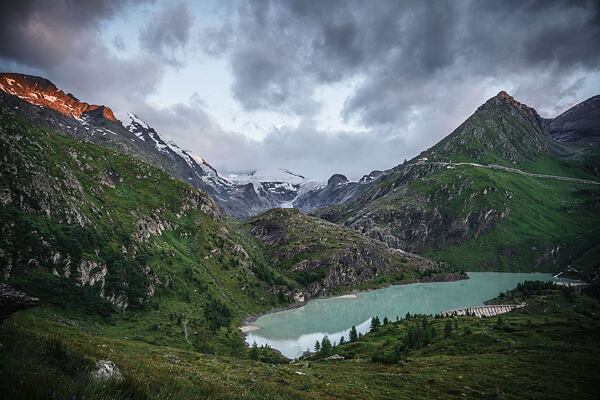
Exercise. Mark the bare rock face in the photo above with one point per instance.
(42, 92)
(337, 179)
(580, 123)
(373, 175)
(121, 301)
(13, 300)
(148, 226)
(91, 273)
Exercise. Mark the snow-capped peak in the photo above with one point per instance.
(167, 146)
(134, 119)
(268, 175)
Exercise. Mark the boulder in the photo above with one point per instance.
(13, 300)
(106, 370)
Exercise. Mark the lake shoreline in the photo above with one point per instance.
(292, 332)
(246, 325)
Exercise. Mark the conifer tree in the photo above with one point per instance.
(375, 323)
(448, 329)
(326, 346)
(317, 346)
(342, 340)
(353, 334)
(254, 351)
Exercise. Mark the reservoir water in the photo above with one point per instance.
(294, 331)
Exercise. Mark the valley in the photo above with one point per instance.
(140, 253)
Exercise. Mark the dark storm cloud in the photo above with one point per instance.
(167, 33)
(41, 33)
(280, 51)
(62, 41)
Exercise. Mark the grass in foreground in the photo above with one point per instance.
(549, 350)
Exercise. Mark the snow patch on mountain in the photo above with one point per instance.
(201, 168)
(280, 175)
(280, 183)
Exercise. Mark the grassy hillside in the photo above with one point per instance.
(549, 350)
(93, 232)
(501, 131)
(482, 219)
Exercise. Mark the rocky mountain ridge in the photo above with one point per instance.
(41, 101)
(433, 204)
(324, 257)
(41, 92)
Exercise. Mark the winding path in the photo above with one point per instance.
(513, 170)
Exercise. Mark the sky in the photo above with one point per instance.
(317, 87)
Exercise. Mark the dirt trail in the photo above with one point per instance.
(513, 170)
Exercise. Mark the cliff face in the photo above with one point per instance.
(417, 218)
(41, 92)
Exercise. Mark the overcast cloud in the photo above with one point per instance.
(418, 68)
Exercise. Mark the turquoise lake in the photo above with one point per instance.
(294, 331)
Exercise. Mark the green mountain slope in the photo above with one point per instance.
(93, 232)
(324, 257)
(476, 217)
(501, 131)
(97, 234)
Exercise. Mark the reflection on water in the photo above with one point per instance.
(294, 331)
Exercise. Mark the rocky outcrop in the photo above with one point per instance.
(371, 176)
(337, 191)
(323, 257)
(106, 370)
(120, 301)
(352, 267)
(42, 92)
(13, 300)
(91, 273)
(152, 225)
(337, 179)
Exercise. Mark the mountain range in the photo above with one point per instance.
(240, 196)
(451, 199)
(139, 251)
